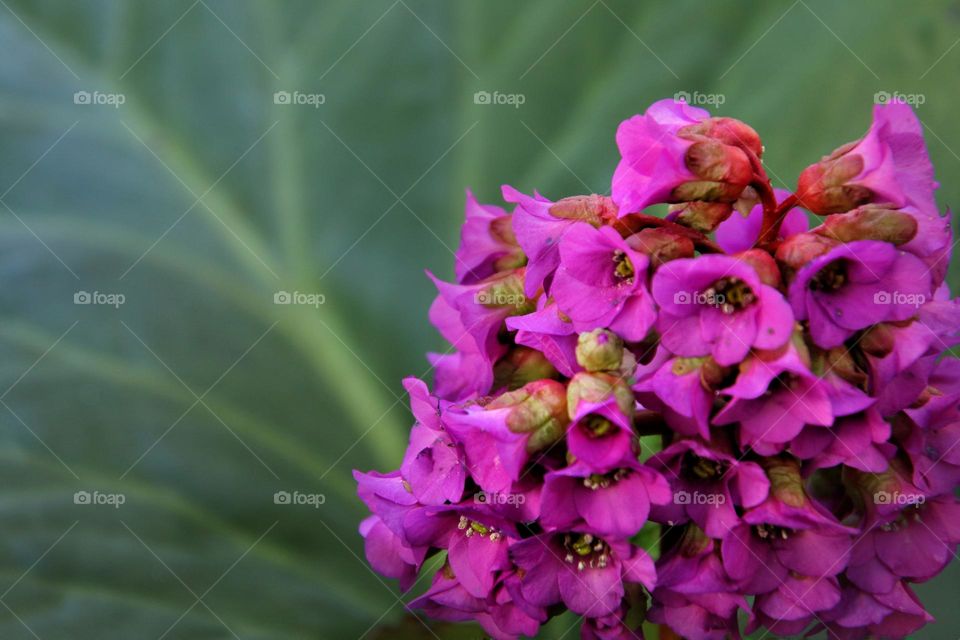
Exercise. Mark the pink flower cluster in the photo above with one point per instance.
(771, 400)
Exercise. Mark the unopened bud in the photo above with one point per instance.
(823, 187)
(594, 209)
(728, 131)
(798, 250)
(764, 264)
(786, 483)
(597, 388)
(714, 376)
(662, 245)
(878, 340)
(723, 170)
(841, 362)
(700, 216)
(506, 291)
(539, 409)
(870, 222)
(694, 541)
(520, 366)
(599, 350)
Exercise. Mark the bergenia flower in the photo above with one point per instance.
(434, 465)
(708, 485)
(717, 305)
(602, 283)
(487, 243)
(766, 409)
(675, 153)
(856, 285)
(500, 436)
(601, 408)
(584, 572)
(540, 224)
(610, 504)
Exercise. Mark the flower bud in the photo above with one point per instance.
(505, 291)
(798, 250)
(597, 388)
(764, 264)
(729, 131)
(786, 483)
(823, 187)
(878, 340)
(539, 409)
(700, 216)
(599, 350)
(724, 171)
(662, 245)
(713, 376)
(595, 209)
(520, 366)
(870, 222)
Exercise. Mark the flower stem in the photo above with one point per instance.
(773, 218)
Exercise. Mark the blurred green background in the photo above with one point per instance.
(200, 197)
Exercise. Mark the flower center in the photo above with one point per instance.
(730, 295)
(601, 481)
(471, 528)
(596, 426)
(702, 468)
(772, 532)
(830, 278)
(623, 268)
(585, 551)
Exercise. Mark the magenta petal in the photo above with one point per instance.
(591, 592)
(811, 553)
(475, 561)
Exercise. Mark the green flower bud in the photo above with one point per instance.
(599, 350)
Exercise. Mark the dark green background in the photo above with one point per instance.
(352, 200)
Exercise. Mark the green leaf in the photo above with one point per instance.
(199, 198)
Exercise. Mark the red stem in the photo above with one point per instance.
(773, 219)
